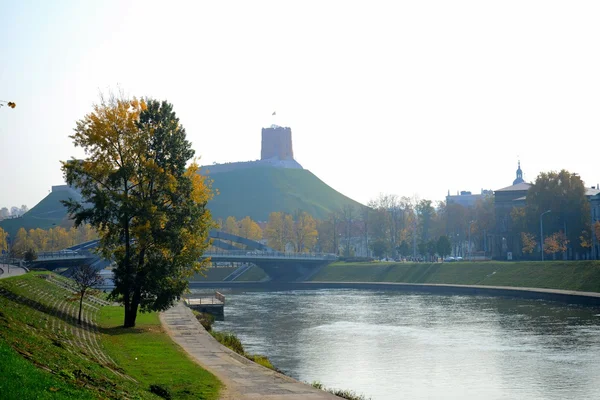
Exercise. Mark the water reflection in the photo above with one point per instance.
(391, 345)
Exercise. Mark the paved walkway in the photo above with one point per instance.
(243, 379)
(10, 270)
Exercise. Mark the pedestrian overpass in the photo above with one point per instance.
(280, 266)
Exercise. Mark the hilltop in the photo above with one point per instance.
(48, 213)
(258, 191)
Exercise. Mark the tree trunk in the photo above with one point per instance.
(80, 306)
(133, 309)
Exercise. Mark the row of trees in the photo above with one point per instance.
(393, 226)
(37, 240)
(283, 232)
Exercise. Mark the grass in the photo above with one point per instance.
(38, 321)
(254, 274)
(258, 191)
(22, 380)
(45, 353)
(149, 355)
(566, 275)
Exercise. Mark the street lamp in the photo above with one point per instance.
(542, 232)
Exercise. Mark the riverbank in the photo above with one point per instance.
(243, 378)
(581, 276)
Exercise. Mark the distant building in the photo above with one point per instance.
(515, 196)
(467, 199)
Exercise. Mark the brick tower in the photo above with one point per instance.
(276, 143)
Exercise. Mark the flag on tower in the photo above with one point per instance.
(273, 113)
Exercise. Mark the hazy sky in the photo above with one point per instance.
(404, 97)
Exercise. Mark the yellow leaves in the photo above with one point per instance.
(202, 185)
(250, 229)
(529, 242)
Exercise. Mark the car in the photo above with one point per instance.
(449, 259)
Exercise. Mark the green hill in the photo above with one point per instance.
(47, 214)
(255, 192)
(258, 191)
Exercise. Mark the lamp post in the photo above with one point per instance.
(470, 225)
(542, 232)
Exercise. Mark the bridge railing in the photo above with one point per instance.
(62, 254)
(269, 254)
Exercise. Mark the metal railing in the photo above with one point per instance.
(254, 254)
(62, 254)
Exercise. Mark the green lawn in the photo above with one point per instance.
(150, 356)
(20, 379)
(45, 353)
(37, 321)
(566, 275)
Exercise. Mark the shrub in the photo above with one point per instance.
(229, 340)
(261, 360)
(205, 319)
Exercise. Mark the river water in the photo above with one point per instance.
(394, 345)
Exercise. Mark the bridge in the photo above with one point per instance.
(281, 266)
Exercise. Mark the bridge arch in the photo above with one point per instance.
(219, 237)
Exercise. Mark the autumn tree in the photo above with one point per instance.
(3, 240)
(279, 230)
(556, 243)
(529, 242)
(304, 232)
(147, 206)
(231, 226)
(250, 229)
(21, 244)
(85, 278)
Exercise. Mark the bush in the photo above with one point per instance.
(161, 390)
(205, 319)
(230, 341)
(261, 360)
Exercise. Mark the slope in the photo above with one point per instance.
(258, 191)
(46, 214)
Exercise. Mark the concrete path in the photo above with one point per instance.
(10, 270)
(243, 379)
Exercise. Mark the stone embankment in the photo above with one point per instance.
(243, 378)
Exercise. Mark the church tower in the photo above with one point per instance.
(519, 175)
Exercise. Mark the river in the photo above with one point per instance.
(396, 345)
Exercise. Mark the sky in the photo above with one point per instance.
(412, 98)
